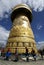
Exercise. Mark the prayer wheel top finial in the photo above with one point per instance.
(21, 9)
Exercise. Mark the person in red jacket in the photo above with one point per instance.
(2, 52)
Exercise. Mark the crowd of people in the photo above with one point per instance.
(7, 55)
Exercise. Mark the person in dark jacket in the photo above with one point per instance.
(41, 53)
(33, 54)
(16, 55)
(27, 55)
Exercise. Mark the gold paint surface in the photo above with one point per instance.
(21, 34)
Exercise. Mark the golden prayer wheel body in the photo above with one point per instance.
(21, 34)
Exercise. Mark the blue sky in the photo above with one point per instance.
(38, 25)
(37, 21)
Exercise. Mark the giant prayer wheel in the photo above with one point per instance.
(21, 34)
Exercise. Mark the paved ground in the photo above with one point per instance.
(38, 62)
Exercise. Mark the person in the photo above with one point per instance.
(41, 53)
(0, 52)
(16, 55)
(27, 55)
(33, 54)
(7, 54)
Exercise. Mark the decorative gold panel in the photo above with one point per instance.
(14, 44)
(20, 44)
(26, 44)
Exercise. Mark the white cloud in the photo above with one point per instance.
(39, 27)
(40, 45)
(7, 5)
(40, 42)
(3, 35)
